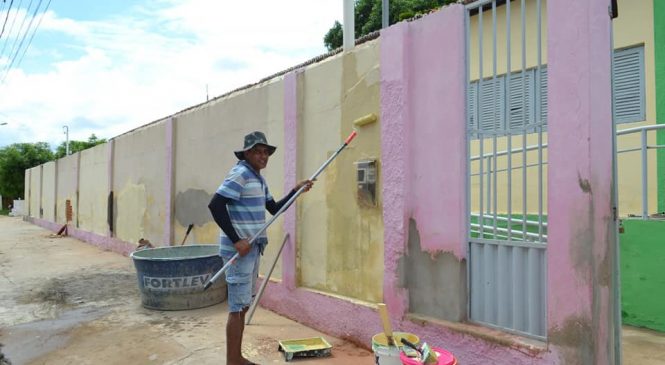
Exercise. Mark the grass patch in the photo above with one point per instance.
(516, 226)
(4, 211)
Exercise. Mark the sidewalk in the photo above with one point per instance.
(63, 301)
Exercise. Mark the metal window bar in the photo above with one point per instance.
(539, 114)
(644, 147)
(524, 121)
(494, 137)
(507, 260)
(492, 171)
(481, 142)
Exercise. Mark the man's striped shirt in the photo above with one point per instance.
(248, 193)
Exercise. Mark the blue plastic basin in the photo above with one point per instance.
(172, 278)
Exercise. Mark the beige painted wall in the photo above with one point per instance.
(205, 140)
(94, 190)
(139, 165)
(35, 191)
(48, 191)
(67, 178)
(341, 239)
(26, 192)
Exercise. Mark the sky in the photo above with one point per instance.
(106, 67)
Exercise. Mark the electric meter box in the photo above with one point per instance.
(366, 181)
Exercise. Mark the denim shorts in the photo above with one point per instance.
(241, 278)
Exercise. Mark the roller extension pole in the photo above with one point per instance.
(279, 212)
(259, 294)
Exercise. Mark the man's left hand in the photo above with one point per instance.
(306, 183)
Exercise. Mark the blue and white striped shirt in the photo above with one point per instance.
(248, 193)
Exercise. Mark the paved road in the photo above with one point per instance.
(63, 301)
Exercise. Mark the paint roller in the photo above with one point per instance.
(367, 119)
(385, 321)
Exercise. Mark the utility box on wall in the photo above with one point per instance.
(366, 181)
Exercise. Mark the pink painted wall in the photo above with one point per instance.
(581, 232)
(290, 173)
(423, 140)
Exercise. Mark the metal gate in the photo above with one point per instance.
(507, 153)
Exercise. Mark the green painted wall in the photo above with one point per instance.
(642, 273)
(659, 42)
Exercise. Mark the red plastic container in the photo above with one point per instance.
(445, 358)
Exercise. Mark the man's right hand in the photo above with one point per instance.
(242, 247)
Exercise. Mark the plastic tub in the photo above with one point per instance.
(172, 278)
(389, 355)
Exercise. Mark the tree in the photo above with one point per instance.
(17, 158)
(367, 17)
(76, 146)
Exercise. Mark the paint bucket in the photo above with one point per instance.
(389, 355)
(445, 358)
(172, 278)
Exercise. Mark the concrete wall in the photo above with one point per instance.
(48, 191)
(409, 250)
(139, 162)
(339, 234)
(581, 249)
(35, 192)
(93, 190)
(204, 140)
(67, 188)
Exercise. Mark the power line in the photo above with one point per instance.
(20, 28)
(6, 17)
(34, 14)
(33, 34)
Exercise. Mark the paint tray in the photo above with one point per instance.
(305, 347)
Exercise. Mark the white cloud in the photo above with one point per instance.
(139, 67)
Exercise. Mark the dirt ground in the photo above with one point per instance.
(63, 301)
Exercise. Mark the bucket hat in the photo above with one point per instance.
(252, 140)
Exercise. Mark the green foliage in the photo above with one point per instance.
(17, 158)
(76, 146)
(368, 17)
(333, 38)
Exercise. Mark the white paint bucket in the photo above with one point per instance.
(389, 355)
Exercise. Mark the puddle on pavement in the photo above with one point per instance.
(28, 341)
(83, 288)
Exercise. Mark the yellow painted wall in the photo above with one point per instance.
(93, 187)
(205, 139)
(67, 188)
(340, 238)
(139, 166)
(633, 27)
(48, 191)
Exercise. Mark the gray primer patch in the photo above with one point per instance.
(191, 206)
(436, 282)
(576, 338)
